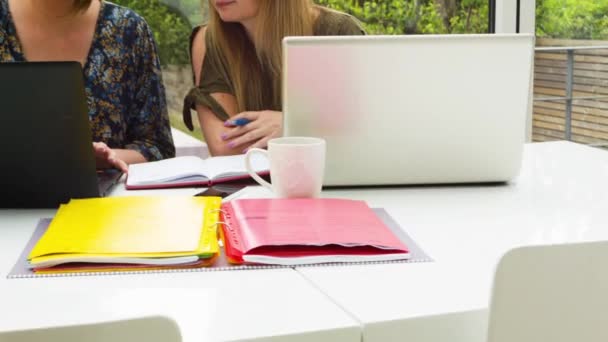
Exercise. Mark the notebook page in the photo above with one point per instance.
(312, 222)
(166, 170)
(331, 256)
(118, 260)
(231, 166)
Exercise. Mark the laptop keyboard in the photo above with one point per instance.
(106, 179)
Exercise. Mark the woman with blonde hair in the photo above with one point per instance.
(236, 63)
(121, 69)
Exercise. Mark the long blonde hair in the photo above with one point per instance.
(252, 67)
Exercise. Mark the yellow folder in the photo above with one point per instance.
(131, 227)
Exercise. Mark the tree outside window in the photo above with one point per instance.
(173, 20)
(571, 71)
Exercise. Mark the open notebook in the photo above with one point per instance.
(306, 231)
(192, 171)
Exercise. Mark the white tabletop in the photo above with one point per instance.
(186, 145)
(253, 305)
(560, 196)
(119, 190)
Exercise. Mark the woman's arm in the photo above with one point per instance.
(106, 157)
(129, 156)
(211, 125)
(222, 137)
(148, 130)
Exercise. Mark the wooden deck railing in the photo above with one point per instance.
(571, 91)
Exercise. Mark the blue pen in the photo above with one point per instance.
(241, 122)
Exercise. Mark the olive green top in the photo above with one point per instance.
(215, 77)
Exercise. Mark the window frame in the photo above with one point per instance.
(512, 16)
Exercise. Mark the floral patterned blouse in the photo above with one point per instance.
(123, 83)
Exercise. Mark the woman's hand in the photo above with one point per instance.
(262, 126)
(106, 158)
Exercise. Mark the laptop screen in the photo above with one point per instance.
(48, 157)
(411, 109)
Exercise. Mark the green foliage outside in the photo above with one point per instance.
(190, 9)
(416, 16)
(171, 28)
(572, 19)
(172, 20)
(567, 19)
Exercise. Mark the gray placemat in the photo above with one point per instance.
(21, 269)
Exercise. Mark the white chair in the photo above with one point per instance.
(148, 329)
(556, 293)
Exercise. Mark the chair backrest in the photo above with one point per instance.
(554, 293)
(149, 329)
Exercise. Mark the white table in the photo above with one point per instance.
(254, 305)
(186, 145)
(560, 196)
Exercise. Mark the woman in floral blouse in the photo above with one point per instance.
(123, 84)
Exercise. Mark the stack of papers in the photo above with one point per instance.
(122, 233)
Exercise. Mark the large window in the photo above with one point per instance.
(417, 16)
(571, 71)
(172, 22)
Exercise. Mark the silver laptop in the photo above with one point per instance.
(411, 109)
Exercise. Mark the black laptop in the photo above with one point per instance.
(47, 156)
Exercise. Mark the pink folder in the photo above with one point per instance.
(305, 231)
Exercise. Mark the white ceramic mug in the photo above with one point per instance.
(297, 165)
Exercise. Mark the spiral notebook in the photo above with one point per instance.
(21, 269)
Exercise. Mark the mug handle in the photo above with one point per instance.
(252, 173)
